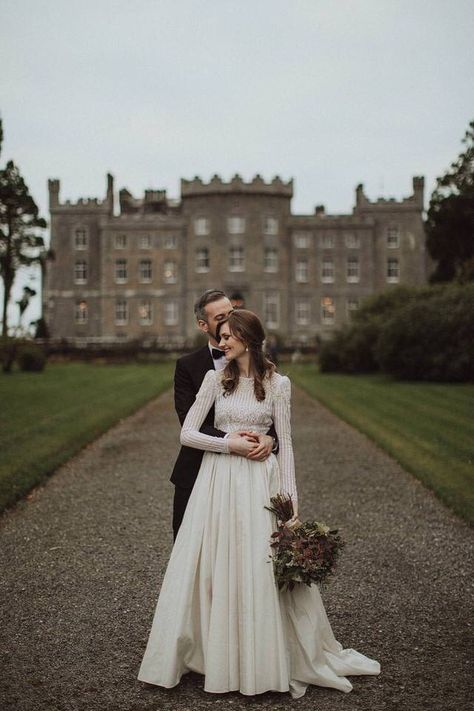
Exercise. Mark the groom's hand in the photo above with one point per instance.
(264, 448)
(241, 444)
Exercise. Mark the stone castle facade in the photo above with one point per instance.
(135, 273)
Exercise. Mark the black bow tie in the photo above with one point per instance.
(216, 354)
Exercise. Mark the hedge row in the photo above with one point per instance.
(411, 334)
(26, 354)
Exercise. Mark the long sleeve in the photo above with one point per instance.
(185, 395)
(282, 419)
(190, 434)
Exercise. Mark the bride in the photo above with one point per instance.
(220, 612)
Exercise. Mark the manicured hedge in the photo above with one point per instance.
(431, 340)
(421, 334)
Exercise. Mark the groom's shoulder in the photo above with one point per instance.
(191, 359)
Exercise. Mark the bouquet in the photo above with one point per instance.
(302, 552)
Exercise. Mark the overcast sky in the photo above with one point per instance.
(329, 92)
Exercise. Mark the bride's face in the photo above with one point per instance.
(232, 346)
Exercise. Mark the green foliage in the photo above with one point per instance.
(422, 333)
(351, 349)
(450, 222)
(427, 427)
(20, 242)
(330, 360)
(431, 339)
(8, 352)
(31, 358)
(379, 306)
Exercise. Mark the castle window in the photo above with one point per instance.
(327, 270)
(302, 312)
(327, 241)
(393, 236)
(202, 260)
(121, 312)
(121, 272)
(352, 304)
(81, 240)
(120, 241)
(145, 242)
(80, 272)
(201, 226)
(145, 271)
(80, 312)
(171, 313)
(236, 259)
(393, 270)
(170, 272)
(145, 313)
(235, 225)
(270, 226)
(170, 242)
(328, 310)
(351, 240)
(301, 270)
(271, 310)
(270, 259)
(302, 240)
(352, 270)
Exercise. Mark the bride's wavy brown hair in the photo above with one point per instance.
(247, 327)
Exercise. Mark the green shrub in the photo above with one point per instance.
(431, 339)
(330, 353)
(351, 350)
(31, 358)
(379, 306)
(358, 349)
(9, 347)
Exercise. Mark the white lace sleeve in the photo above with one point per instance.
(190, 435)
(282, 420)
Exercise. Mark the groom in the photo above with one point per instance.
(210, 309)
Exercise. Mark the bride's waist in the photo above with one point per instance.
(243, 426)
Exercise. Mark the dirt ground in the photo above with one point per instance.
(82, 559)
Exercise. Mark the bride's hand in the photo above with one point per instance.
(241, 445)
(264, 449)
(249, 434)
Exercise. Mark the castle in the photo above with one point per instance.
(136, 272)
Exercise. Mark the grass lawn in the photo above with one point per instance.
(47, 417)
(427, 427)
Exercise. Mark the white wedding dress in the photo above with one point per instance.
(220, 612)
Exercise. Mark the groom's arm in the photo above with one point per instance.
(185, 395)
(273, 434)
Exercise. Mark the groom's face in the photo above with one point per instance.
(216, 312)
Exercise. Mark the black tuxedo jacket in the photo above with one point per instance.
(188, 377)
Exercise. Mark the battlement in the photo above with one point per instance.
(83, 204)
(415, 201)
(257, 186)
(154, 201)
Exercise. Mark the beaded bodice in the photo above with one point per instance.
(242, 411)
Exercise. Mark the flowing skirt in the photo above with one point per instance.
(220, 612)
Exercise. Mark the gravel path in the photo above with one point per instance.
(83, 557)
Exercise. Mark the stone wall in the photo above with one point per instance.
(302, 273)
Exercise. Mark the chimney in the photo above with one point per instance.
(53, 187)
